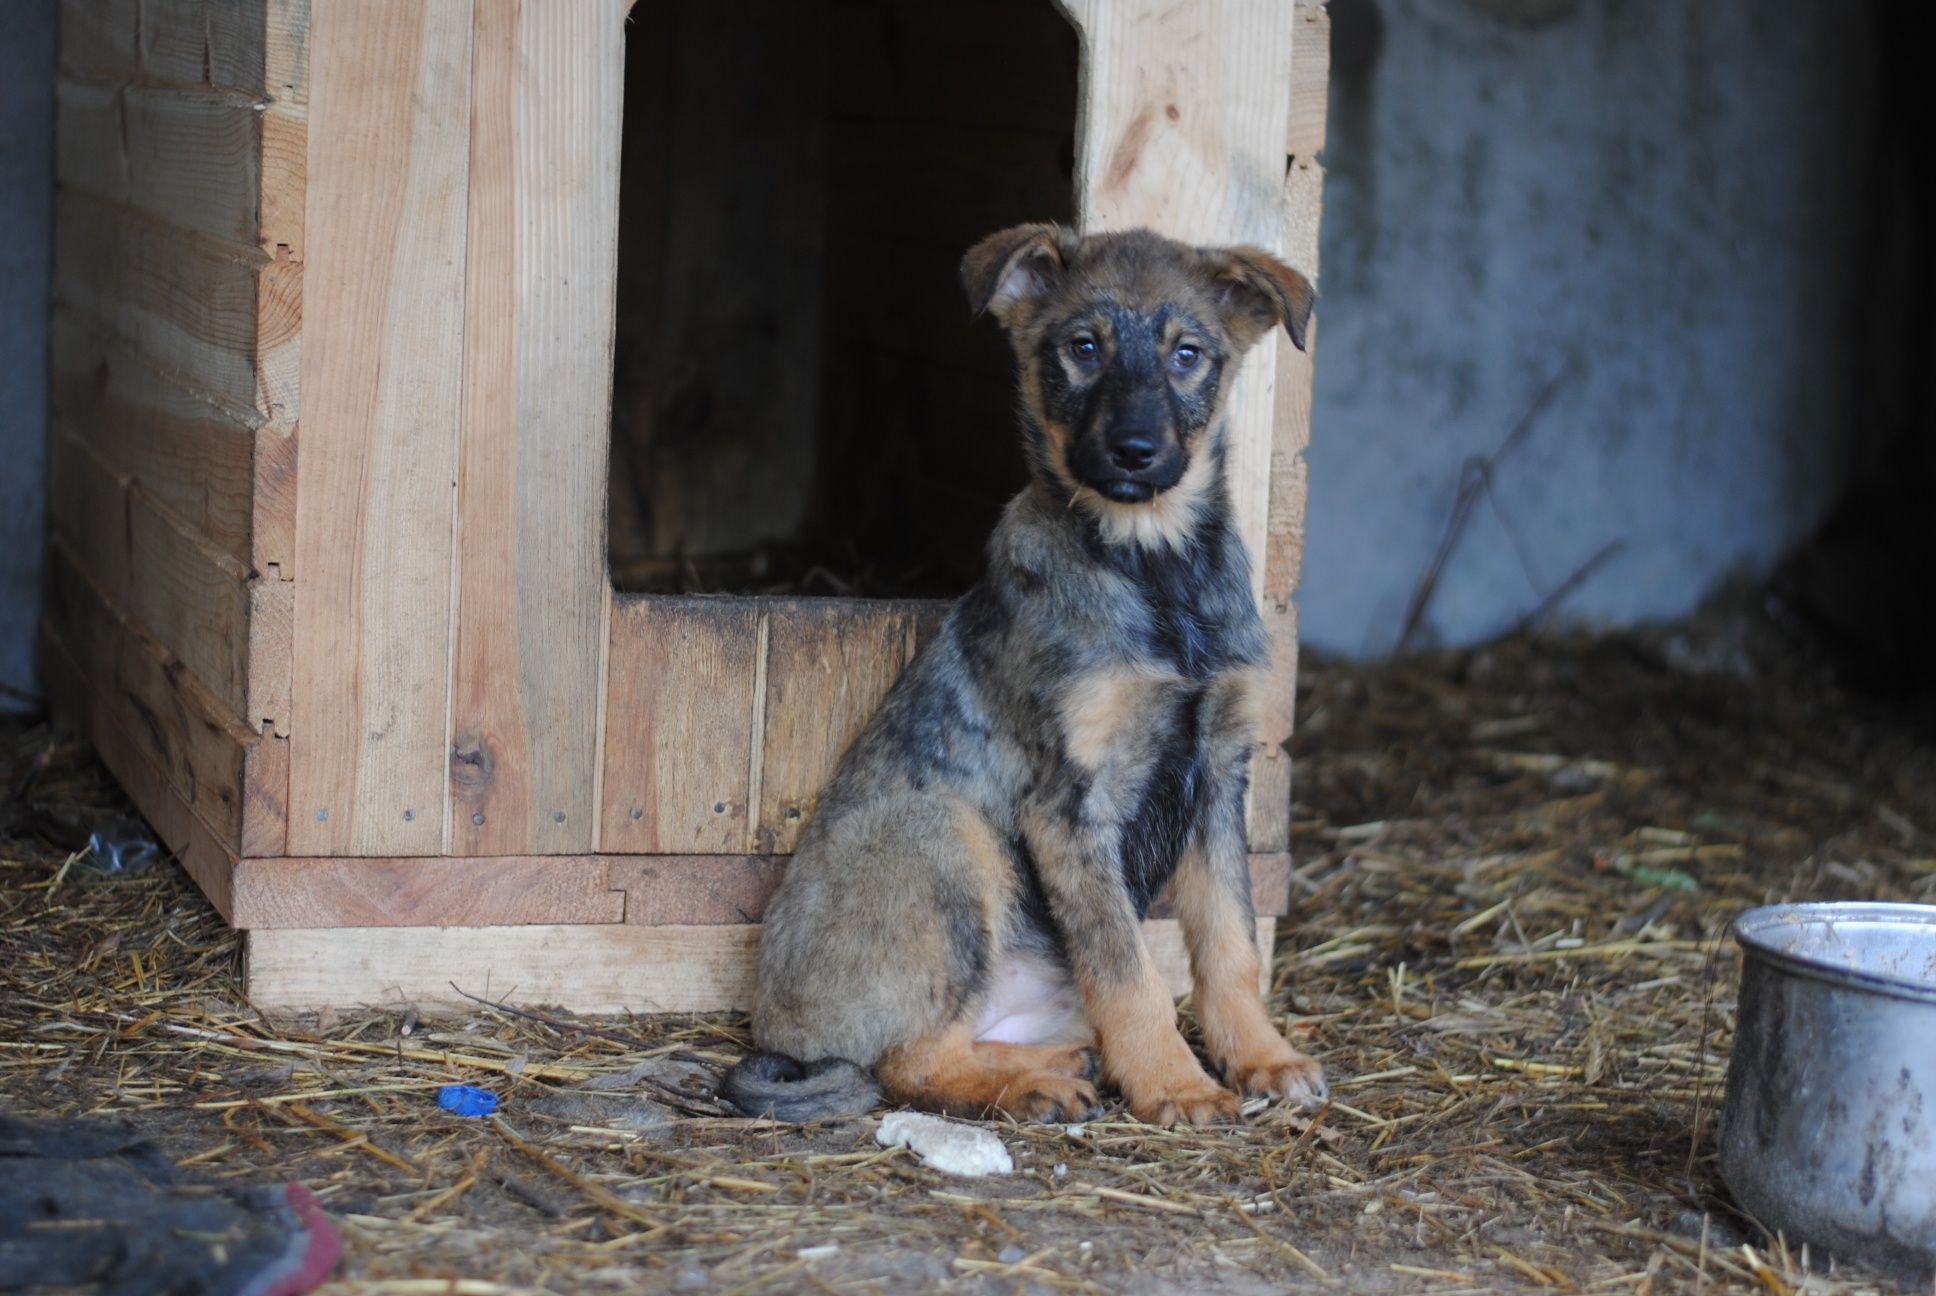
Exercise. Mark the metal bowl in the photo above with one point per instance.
(1829, 1129)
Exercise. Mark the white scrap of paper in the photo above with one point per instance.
(948, 1146)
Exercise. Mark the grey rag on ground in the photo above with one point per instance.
(94, 1206)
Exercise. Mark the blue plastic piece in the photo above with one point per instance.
(467, 1100)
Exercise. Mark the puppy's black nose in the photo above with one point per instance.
(1132, 449)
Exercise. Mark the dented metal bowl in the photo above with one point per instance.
(1829, 1128)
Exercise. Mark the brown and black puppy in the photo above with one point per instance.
(960, 920)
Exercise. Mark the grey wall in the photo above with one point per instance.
(1662, 194)
(26, 204)
(1666, 196)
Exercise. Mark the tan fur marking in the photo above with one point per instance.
(1236, 699)
(1099, 708)
(991, 861)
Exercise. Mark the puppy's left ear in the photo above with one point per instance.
(1256, 292)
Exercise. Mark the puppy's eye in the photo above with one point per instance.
(1084, 349)
(1185, 358)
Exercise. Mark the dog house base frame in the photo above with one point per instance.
(328, 585)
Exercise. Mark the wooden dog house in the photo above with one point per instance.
(334, 346)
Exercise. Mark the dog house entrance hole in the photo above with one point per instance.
(800, 402)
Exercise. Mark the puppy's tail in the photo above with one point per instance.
(773, 1084)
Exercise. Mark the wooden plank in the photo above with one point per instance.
(224, 473)
(99, 39)
(285, 125)
(829, 663)
(204, 42)
(284, 189)
(272, 534)
(1270, 805)
(1269, 811)
(696, 890)
(197, 458)
(191, 159)
(189, 306)
(583, 968)
(439, 891)
(194, 159)
(157, 709)
(1310, 80)
(193, 599)
(271, 890)
(547, 84)
(276, 345)
(271, 654)
(79, 701)
(87, 501)
(612, 968)
(87, 132)
(1283, 553)
(265, 798)
(1192, 147)
(1303, 210)
(679, 725)
(212, 138)
(382, 372)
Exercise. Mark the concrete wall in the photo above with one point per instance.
(1662, 199)
(26, 207)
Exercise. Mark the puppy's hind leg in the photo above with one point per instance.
(948, 1072)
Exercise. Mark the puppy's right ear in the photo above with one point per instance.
(1010, 269)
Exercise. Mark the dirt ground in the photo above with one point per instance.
(1515, 870)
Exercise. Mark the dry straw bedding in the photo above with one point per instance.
(1515, 868)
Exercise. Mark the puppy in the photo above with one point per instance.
(960, 921)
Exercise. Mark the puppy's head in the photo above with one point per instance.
(1127, 343)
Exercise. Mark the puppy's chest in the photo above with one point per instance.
(1190, 611)
(1121, 723)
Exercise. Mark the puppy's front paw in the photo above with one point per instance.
(1282, 1072)
(1196, 1102)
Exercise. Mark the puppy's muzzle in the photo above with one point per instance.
(1136, 461)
